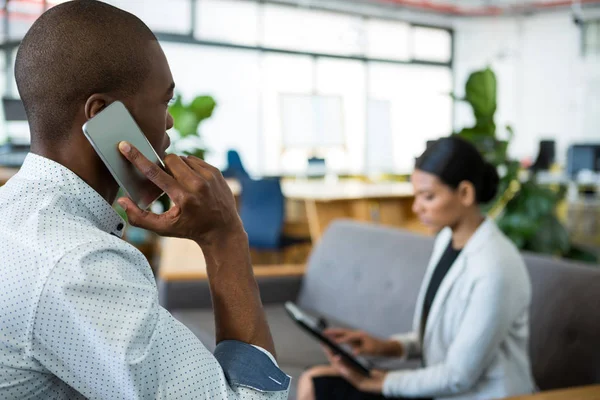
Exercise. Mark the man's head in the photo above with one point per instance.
(80, 56)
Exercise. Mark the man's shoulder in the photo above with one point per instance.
(47, 226)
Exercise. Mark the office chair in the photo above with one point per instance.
(262, 210)
(235, 168)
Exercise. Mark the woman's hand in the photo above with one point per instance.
(370, 384)
(364, 344)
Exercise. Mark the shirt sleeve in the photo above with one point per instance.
(491, 309)
(99, 328)
(411, 345)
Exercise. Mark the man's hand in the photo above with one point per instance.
(364, 344)
(203, 206)
(204, 211)
(370, 384)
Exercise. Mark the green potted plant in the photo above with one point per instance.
(187, 119)
(524, 209)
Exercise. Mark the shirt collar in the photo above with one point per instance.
(36, 167)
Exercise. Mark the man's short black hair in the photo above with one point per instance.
(72, 51)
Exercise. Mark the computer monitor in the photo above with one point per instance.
(583, 157)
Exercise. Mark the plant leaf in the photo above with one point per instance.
(480, 93)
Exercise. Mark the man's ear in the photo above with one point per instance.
(96, 103)
(468, 195)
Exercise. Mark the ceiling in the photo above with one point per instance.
(481, 7)
(457, 8)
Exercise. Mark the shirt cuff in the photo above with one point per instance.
(391, 383)
(267, 353)
(251, 367)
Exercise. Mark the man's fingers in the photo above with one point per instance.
(178, 168)
(202, 167)
(150, 170)
(203, 164)
(141, 218)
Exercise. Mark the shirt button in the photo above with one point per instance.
(119, 227)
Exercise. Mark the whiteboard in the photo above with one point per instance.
(312, 120)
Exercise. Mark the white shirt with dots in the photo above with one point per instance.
(79, 312)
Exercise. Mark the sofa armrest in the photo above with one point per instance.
(277, 284)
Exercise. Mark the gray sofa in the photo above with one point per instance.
(368, 277)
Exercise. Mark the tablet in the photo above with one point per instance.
(311, 325)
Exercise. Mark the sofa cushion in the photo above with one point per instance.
(366, 276)
(293, 346)
(565, 322)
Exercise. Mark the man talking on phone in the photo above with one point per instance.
(79, 312)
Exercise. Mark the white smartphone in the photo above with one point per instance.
(105, 131)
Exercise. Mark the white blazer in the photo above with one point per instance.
(475, 343)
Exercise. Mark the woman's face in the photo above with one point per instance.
(436, 204)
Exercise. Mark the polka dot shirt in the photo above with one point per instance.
(79, 312)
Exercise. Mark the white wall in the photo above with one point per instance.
(546, 89)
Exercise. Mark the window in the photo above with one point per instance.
(431, 44)
(312, 121)
(420, 106)
(282, 74)
(215, 20)
(171, 16)
(361, 80)
(22, 15)
(232, 77)
(387, 39)
(345, 79)
(286, 28)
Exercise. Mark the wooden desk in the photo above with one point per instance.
(182, 260)
(581, 393)
(386, 203)
(6, 174)
(321, 202)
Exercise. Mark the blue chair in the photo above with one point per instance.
(235, 168)
(262, 210)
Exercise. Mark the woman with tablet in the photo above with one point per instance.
(471, 325)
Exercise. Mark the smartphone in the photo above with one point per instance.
(105, 131)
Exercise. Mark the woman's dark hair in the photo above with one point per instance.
(454, 160)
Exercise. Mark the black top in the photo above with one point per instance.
(437, 277)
